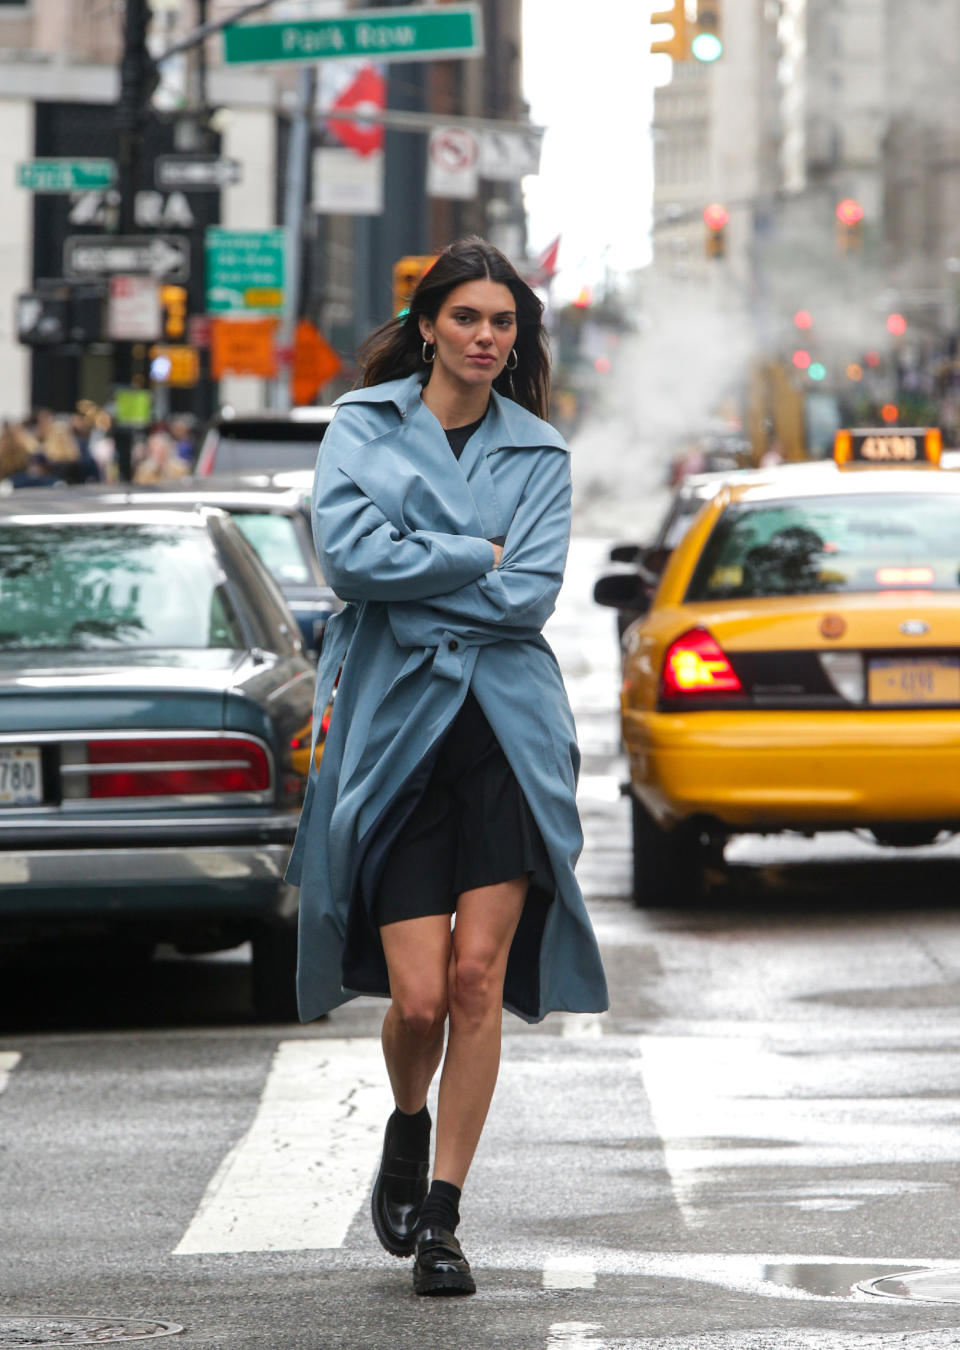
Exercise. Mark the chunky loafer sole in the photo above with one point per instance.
(398, 1193)
(441, 1267)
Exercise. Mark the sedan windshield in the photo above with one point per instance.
(274, 537)
(86, 586)
(831, 544)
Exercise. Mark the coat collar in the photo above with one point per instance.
(510, 426)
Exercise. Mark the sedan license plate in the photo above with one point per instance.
(915, 680)
(21, 776)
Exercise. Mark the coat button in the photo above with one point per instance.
(452, 644)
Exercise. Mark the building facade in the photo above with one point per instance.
(59, 85)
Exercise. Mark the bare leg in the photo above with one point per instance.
(486, 921)
(418, 957)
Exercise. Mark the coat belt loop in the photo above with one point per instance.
(448, 661)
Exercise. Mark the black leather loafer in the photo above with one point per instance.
(440, 1266)
(399, 1191)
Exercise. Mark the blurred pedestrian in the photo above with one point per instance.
(160, 461)
(82, 424)
(16, 446)
(447, 784)
(37, 472)
(103, 449)
(60, 447)
(183, 440)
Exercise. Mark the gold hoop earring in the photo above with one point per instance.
(427, 360)
(516, 359)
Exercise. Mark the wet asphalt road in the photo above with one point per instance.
(767, 1116)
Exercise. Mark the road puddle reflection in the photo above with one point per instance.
(836, 1279)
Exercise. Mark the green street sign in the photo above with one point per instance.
(417, 34)
(245, 270)
(66, 175)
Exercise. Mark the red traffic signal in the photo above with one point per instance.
(897, 325)
(716, 216)
(803, 319)
(849, 212)
(801, 359)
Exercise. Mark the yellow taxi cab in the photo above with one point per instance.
(799, 665)
(302, 740)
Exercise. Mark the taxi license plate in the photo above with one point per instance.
(21, 775)
(915, 680)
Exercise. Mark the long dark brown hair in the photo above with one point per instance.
(394, 349)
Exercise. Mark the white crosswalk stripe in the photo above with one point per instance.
(299, 1175)
(9, 1059)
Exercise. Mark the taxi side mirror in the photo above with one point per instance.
(651, 563)
(623, 590)
(626, 553)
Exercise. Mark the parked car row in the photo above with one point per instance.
(157, 668)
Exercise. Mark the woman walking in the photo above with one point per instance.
(447, 785)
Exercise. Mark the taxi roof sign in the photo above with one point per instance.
(878, 447)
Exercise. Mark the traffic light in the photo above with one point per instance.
(406, 275)
(677, 46)
(849, 226)
(707, 43)
(896, 325)
(715, 218)
(174, 302)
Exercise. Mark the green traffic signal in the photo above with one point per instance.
(706, 47)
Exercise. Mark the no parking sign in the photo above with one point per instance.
(453, 157)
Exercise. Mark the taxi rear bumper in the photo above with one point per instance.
(760, 771)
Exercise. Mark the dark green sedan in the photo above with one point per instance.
(153, 694)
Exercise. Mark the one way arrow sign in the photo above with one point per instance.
(164, 256)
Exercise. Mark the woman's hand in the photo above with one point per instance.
(497, 553)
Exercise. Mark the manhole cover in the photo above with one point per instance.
(926, 1286)
(21, 1331)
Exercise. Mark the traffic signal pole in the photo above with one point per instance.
(137, 78)
(294, 209)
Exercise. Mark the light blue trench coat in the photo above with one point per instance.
(402, 530)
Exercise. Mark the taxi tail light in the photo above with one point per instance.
(303, 738)
(174, 767)
(696, 664)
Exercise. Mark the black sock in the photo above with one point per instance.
(411, 1134)
(440, 1207)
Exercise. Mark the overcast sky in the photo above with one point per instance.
(587, 76)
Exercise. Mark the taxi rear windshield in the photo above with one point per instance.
(831, 545)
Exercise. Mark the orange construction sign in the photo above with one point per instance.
(242, 347)
(314, 362)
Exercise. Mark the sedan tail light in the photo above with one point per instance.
(695, 664)
(167, 766)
